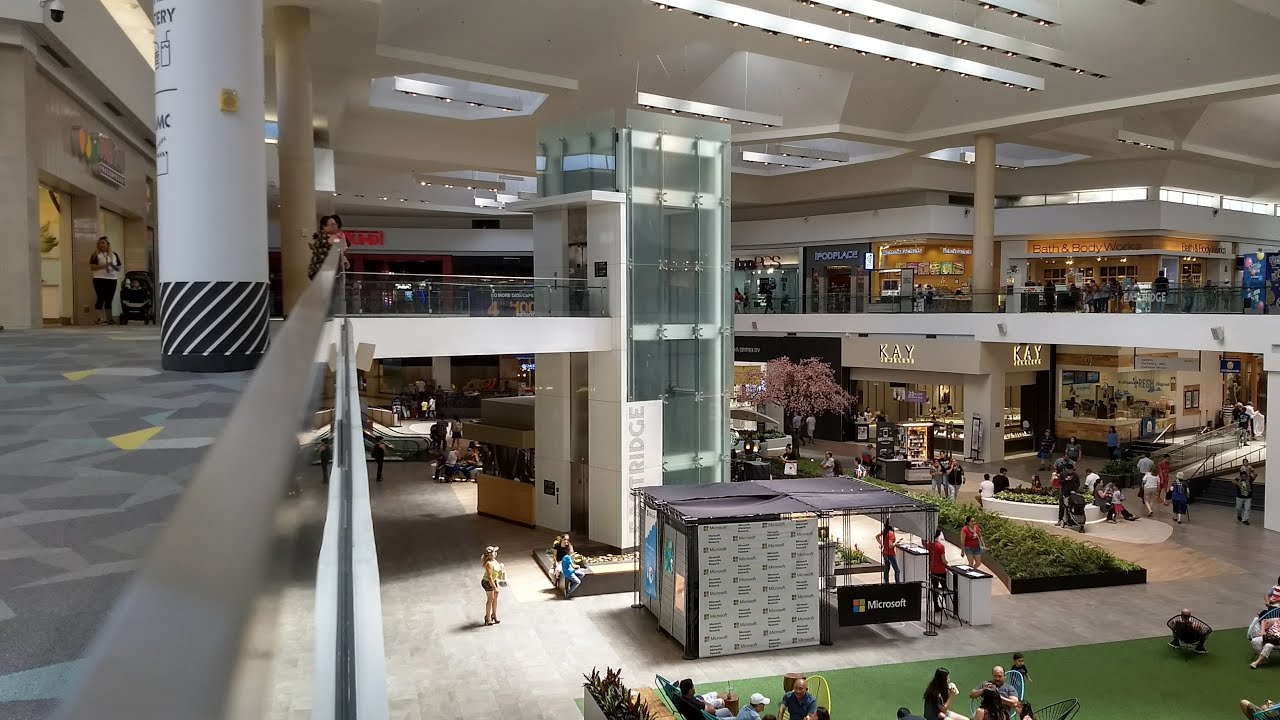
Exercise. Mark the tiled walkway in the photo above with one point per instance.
(440, 654)
(96, 443)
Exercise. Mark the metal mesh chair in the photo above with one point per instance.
(1255, 627)
(1268, 713)
(1181, 644)
(1064, 710)
(1016, 681)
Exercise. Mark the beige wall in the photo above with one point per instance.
(37, 117)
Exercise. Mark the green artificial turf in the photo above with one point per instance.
(1130, 680)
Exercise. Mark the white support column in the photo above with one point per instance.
(551, 411)
(984, 397)
(20, 304)
(984, 222)
(442, 372)
(210, 154)
(1271, 474)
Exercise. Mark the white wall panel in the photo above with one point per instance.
(450, 336)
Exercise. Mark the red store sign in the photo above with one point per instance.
(365, 237)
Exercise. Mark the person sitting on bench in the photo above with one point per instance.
(1252, 711)
(1188, 631)
(1266, 642)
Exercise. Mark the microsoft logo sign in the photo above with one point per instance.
(860, 605)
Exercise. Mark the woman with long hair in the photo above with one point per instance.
(492, 576)
(938, 696)
(990, 706)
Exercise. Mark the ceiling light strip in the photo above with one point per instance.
(1036, 11)
(781, 160)
(960, 33)
(446, 181)
(707, 110)
(448, 93)
(806, 31)
(798, 151)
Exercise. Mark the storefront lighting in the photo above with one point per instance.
(777, 24)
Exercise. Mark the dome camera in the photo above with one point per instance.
(56, 9)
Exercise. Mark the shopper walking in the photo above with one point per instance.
(1072, 451)
(1113, 443)
(106, 272)
(937, 480)
(1045, 450)
(379, 456)
(493, 576)
(326, 458)
(1162, 469)
(810, 423)
(797, 422)
(1150, 487)
(1178, 496)
(955, 478)
(971, 539)
(1244, 491)
(889, 553)
(455, 428)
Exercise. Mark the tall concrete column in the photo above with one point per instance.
(296, 147)
(984, 398)
(984, 222)
(210, 158)
(20, 304)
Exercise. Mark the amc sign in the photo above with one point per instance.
(365, 237)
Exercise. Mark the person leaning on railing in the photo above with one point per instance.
(329, 236)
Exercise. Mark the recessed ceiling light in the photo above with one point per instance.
(381, 197)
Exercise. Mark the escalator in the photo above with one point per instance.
(399, 447)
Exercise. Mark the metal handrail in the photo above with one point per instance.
(174, 642)
(457, 279)
(1205, 437)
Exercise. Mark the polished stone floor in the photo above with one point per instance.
(441, 655)
(96, 444)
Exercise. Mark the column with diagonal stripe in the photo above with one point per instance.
(211, 184)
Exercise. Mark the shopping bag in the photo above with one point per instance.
(790, 468)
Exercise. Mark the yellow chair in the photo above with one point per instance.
(820, 689)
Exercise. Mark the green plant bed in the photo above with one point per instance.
(1024, 551)
(761, 436)
(1029, 495)
(805, 468)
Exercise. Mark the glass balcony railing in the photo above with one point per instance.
(1211, 300)
(197, 633)
(470, 296)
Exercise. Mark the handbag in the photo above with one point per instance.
(790, 468)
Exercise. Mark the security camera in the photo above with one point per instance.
(56, 9)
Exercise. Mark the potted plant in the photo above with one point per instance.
(1124, 473)
(604, 697)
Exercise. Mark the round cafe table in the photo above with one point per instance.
(731, 702)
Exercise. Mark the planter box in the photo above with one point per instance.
(1034, 512)
(1078, 582)
(1050, 584)
(590, 709)
(768, 448)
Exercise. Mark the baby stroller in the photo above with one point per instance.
(1074, 516)
(137, 298)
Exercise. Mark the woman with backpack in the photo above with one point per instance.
(1178, 496)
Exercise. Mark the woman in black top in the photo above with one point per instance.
(563, 547)
(938, 697)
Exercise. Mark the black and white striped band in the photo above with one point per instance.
(212, 326)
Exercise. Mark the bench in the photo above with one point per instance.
(658, 710)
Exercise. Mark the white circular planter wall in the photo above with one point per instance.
(1037, 513)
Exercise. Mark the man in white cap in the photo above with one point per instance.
(756, 705)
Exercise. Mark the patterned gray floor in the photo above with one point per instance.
(96, 444)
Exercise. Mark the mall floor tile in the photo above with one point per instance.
(77, 512)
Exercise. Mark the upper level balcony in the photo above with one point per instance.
(403, 315)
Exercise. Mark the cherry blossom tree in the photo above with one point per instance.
(805, 388)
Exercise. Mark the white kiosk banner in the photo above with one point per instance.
(759, 586)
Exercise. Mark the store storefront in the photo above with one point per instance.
(88, 181)
(939, 393)
(1139, 392)
(942, 265)
(755, 351)
(838, 277)
(769, 281)
(1131, 261)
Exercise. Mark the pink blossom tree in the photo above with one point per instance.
(805, 388)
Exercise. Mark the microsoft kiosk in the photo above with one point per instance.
(973, 594)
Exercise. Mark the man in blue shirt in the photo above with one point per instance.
(798, 703)
(754, 707)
